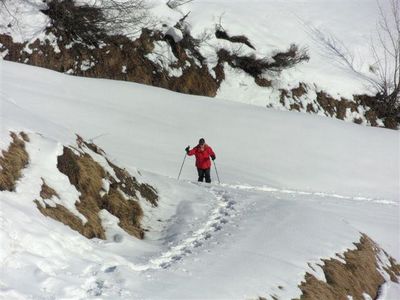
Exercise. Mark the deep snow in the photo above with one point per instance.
(295, 188)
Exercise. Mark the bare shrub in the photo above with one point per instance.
(257, 66)
(384, 71)
(81, 23)
(288, 59)
(90, 23)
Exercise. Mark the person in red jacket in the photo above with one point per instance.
(203, 153)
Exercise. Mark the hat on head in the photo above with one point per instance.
(202, 141)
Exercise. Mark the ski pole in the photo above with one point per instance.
(216, 171)
(180, 171)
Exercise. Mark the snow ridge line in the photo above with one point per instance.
(319, 194)
(218, 217)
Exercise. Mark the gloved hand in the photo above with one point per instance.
(187, 149)
(213, 157)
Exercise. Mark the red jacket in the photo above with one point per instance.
(202, 156)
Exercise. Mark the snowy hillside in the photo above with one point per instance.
(233, 50)
(295, 189)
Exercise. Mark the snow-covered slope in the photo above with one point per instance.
(256, 146)
(295, 188)
(271, 26)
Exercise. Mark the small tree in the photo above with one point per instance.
(384, 72)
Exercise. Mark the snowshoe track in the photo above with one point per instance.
(219, 216)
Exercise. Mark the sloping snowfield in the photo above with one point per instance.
(295, 188)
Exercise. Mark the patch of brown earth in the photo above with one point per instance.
(327, 102)
(117, 58)
(336, 108)
(357, 276)
(310, 108)
(358, 120)
(263, 82)
(13, 161)
(295, 106)
(381, 110)
(299, 91)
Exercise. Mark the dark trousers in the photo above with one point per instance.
(204, 173)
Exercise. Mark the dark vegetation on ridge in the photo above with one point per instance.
(89, 43)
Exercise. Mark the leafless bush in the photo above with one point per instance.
(257, 66)
(81, 23)
(288, 59)
(128, 17)
(384, 71)
(89, 23)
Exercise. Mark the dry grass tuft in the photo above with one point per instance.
(90, 229)
(87, 176)
(393, 270)
(63, 215)
(24, 136)
(47, 192)
(129, 185)
(128, 212)
(13, 161)
(81, 142)
(357, 276)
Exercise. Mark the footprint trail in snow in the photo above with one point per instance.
(220, 215)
